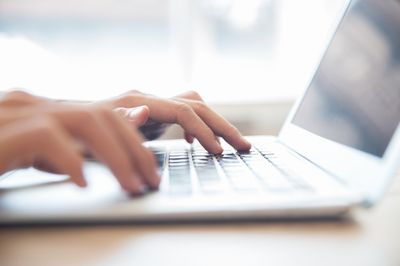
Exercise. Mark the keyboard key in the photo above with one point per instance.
(243, 171)
(159, 156)
(242, 183)
(179, 179)
(209, 174)
(272, 177)
(180, 190)
(211, 186)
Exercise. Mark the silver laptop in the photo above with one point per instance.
(339, 149)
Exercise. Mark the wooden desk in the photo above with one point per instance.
(370, 237)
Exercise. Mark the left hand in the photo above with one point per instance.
(53, 136)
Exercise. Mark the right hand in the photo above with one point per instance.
(188, 109)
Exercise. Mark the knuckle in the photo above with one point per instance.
(18, 93)
(194, 94)
(183, 108)
(134, 92)
(182, 112)
(201, 106)
(19, 96)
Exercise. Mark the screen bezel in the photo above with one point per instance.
(366, 173)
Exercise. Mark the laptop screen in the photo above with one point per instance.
(354, 97)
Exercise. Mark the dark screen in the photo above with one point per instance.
(354, 98)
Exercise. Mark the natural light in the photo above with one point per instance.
(228, 50)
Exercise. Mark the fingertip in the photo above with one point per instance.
(78, 178)
(134, 186)
(79, 181)
(82, 183)
(241, 144)
(189, 139)
(155, 181)
(246, 145)
(218, 149)
(149, 169)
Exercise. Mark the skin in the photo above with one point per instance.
(189, 111)
(54, 136)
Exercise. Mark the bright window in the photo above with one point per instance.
(228, 50)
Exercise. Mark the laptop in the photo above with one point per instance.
(338, 149)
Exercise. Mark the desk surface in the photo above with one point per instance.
(368, 237)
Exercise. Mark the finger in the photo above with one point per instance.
(137, 116)
(191, 95)
(40, 140)
(142, 158)
(232, 135)
(172, 111)
(219, 125)
(89, 126)
(189, 138)
(60, 155)
(195, 126)
(45, 166)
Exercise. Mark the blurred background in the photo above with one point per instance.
(248, 58)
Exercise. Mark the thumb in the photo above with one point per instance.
(137, 116)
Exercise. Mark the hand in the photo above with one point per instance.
(188, 110)
(18, 98)
(46, 136)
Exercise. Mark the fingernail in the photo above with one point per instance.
(82, 183)
(137, 191)
(155, 180)
(142, 189)
(247, 142)
(219, 149)
(133, 112)
(134, 185)
(79, 181)
(142, 186)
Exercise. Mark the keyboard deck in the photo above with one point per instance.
(194, 169)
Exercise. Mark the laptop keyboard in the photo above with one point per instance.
(195, 170)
